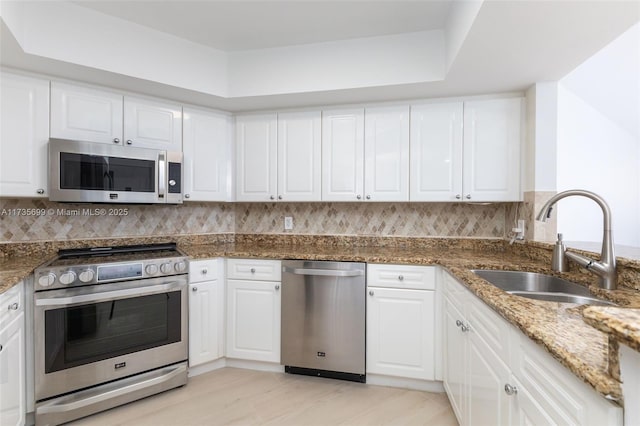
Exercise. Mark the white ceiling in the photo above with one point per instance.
(243, 25)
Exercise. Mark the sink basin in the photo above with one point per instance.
(540, 287)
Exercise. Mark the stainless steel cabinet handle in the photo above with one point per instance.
(400, 278)
(116, 140)
(458, 323)
(322, 272)
(40, 191)
(468, 196)
(368, 197)
(277, 287)
(129, 142)
(510, 389)
(464, 328)
(359, 197)
(458, 196)
(253, 270)
(187, 196)
(194, 289)
(14, 306)
(172, 182)
(371, 293)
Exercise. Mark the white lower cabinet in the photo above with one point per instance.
(495, 375)
(12, 358)
(253, 312)
(206, 311)
(401, 321)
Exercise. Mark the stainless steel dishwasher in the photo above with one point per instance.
(323, 319)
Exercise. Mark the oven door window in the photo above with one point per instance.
(103, 173)
(84, 334)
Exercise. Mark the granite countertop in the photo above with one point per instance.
(623, 324)
(558, 327)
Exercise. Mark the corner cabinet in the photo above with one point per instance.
(101, 116)
(253, 309)
(402, 321)
(206, 310)
(13, 379)
(24, 115)
(466, 151)
(207, 145)
(494, 374)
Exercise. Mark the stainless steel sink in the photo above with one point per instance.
(540, 287)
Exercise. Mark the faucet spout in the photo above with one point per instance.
(606, 267)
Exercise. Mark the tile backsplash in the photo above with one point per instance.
(41, 220)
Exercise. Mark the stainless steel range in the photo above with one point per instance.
(110, 328)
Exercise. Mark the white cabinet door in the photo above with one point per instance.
(207, 155)
(386, 152)
(206, 321)
(253, 320)
(342, 155)
(455, 360)
(436, 152)
(24, 134)
(85, 114)
(256, 157)
(492, 150)
(401, 332)
(12, 373)
(152, 124)
(299, 156)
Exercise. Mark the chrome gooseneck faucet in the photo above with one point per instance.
(606, 267)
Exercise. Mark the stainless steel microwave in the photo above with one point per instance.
(87, 172)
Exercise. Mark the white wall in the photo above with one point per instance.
(599, 142)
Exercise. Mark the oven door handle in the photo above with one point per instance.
(109, 295)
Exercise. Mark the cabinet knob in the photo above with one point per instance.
(172, 182)
(468, 196)
(400, 277)
(116, 140)
(458, 323)
(464, 328)
(272, 198)
(129, 142)
(187, 196)
(359, 197)
(253, 270)
(458, 196)
(277, 286)
(40, 191)
(204, 271)
(194, 288)
(279, 197)
(14, 306)
(0, 348)
(371, 293)
(510, 389)
(368, 197)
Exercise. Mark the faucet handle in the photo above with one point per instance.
(560, 237)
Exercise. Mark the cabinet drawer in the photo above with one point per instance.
(402, 276)
(11, 304)
(204, 270)
(254, 269)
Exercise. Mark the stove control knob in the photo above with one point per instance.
(151, 269)
(180, 266)
(86, 275)
(47, 280)
(165, 268)
(68, 278)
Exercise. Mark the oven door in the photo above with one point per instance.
(90, 335)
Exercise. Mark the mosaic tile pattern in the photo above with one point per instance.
(72, 221)
(389, 219)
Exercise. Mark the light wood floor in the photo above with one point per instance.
(232, 396)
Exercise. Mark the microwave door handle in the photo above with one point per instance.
(162, 176)
(107, 295)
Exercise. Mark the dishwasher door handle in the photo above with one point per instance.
(322, 272)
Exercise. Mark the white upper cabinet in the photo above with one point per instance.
(436, 152)
(386, 151)
(256, 157)
(24, 115)
(342, 154)
(152, 124)
(85, 114)
(299, 156)
(492, 150)
(93, 115)
(467, 151)
(207, 155)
